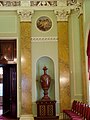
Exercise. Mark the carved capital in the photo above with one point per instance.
(62, 14)
(78, 8)
(66, 7)
(71, 2)
(25, 15)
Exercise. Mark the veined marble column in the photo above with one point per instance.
(84, 80)
(26, 68)
(63, 59)
(64, 72)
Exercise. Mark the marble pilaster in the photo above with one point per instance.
(26, 68)
(63, 62)
(82, 47)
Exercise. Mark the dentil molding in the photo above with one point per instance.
(44, 39)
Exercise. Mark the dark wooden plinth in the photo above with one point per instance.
(46, 110)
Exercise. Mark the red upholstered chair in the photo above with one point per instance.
(79, 111)
(67, 112)
(84, 110)
(82, 107)
(76, 114)
(87, 113)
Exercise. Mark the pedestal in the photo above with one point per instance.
(46, 110)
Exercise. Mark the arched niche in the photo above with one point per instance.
(48, 62)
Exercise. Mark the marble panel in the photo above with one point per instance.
(83, 67)
(64, 67)
(26, 74)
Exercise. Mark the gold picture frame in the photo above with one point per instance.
(44, 23)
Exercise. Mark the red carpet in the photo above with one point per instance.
(6, 118)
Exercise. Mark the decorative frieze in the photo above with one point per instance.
(43, 3)
(9, 3)
(62, 8)
(44, 39)
(25, 15)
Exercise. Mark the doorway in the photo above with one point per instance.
(8, 78)
(8, 86)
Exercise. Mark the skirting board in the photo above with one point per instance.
(26, 117)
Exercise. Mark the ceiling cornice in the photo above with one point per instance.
(39, 3)
(62, 8)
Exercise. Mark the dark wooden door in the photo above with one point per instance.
(6, 90)
(10, 90)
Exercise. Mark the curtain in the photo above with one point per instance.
(88, 53)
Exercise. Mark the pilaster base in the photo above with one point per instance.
(27, 117)
(47, 118)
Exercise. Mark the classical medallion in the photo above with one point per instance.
(44, 23)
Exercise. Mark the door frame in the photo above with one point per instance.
(18, 61)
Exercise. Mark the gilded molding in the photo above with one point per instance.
(44, 39)
(25, 15)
